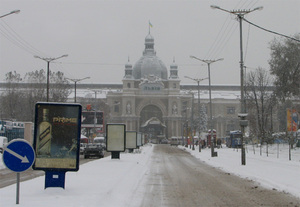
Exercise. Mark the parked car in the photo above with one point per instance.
(164, 141)
(100, 140)
(3, 143)
(82, 147)
(93, 150)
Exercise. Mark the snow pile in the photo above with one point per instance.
(103, 182)
(274, 171)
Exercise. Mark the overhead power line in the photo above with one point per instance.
(16, 39)
(271, 31)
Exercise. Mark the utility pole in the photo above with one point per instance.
(243, 122)
(208, 62)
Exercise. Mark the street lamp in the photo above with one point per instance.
(12, 12)
(95, 118)
(48, 60)
(75, 82)
(243, 122)
(95, 91)
(199, 114)
(186, 126)
(208, 62)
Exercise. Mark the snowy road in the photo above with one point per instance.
(156, 175)
(178, 179)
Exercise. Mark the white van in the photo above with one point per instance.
(174, 141)
(3, 143)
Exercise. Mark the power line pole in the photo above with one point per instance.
(208, 62)
(243, 122)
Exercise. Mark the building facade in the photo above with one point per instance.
(150, 101)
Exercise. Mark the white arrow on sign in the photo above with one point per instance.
(23, 159)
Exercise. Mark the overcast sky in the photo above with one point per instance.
(99, 36)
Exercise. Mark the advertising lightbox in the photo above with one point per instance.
(115, 137)
(139, 139)
(131, 140)
(57, 136)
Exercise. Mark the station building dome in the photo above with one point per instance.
(149, 63)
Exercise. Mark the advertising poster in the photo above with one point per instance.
(292, 120)
(131, 140)
(57, 136)
(115, 137)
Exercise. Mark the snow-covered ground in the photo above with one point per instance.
(274, 171)
(107, 182)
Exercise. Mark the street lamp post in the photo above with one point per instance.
(243, 122)
(208, 62)
(199, 114)
(75, 82)
(48, 60)
(12, 12)
(192, 122)
(95, 118)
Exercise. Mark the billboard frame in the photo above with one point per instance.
(131, 141)
(64, 147)
(113, 143)
(139, 139)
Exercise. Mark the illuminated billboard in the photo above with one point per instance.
(57, 136)
(115, 137)
(92, 119)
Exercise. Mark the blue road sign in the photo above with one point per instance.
(18, 155)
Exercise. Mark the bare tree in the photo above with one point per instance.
(261, 102)
(18, 103)
(60, 89)
(11, 107)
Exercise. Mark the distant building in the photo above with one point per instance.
(153, 102)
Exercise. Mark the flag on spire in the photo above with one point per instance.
(150, 25)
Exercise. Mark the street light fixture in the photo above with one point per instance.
(199, 114)
(75, 82)
(48, 60)
(12, 12)
(208, 62)
(243, 122)
(95, 118)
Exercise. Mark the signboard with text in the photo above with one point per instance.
(93, 119)
(57, 136)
